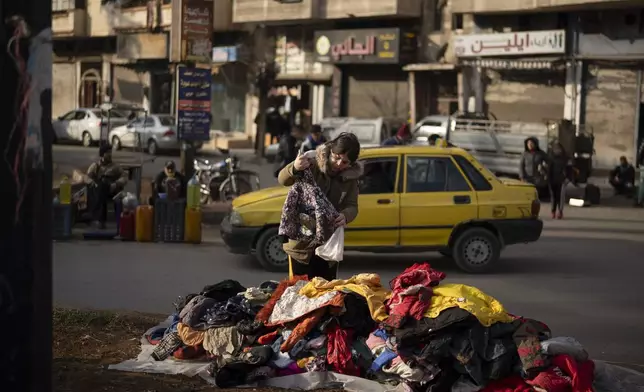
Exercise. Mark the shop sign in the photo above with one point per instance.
(289, 55)
(224, 54)
(193, 103)
(365, 46)
(510, 44)
(196, 30)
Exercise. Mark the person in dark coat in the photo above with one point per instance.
(559, 172)
(288, 149)
(533, 164)
(402, 137)
(169, 172)
(622, 177)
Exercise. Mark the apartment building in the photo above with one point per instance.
(126, 51)
(341, 58)
(579, 60)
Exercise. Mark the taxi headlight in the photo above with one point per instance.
(236, 219)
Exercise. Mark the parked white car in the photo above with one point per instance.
(84, 125)
(153, 133)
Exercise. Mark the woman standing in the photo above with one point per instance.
(559, 172)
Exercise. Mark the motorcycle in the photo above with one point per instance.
(224, 180)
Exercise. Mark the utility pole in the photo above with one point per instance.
(26, 190)
(265, 74)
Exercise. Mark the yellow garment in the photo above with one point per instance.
(301, 363)
(366, 285)
(189, 336)
(485, 308)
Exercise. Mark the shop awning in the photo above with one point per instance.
(518, 64)
(429, 67)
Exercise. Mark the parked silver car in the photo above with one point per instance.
(85, 124)
(154, 133)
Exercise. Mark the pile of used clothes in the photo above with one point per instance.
(421, 334)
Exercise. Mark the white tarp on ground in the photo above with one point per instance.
(608, 377)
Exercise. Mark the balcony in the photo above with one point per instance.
(257, 11)
(494, 6)
(71, 23)
(140, 18)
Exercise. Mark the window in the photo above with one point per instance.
(167, 121)
(80, 115)
(364, 132)
(379, 176)
(68, 116)
(434, 175)
(62, 5)
(457, 22)
(430, 123)
(475, 177)
(149, 123)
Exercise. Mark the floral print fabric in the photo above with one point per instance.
(308, 215)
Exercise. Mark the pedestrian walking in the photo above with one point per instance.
(559, 174)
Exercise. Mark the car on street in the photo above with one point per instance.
(412, 199)
(152, 133)
(85, 124)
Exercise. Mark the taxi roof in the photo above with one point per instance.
(411, 149)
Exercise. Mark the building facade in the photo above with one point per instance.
(338, 58)
(554, 60)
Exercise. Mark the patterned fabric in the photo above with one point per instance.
(264, 314)
(527, 338)
(302, 329)
(292, 305)
(307, 216)
(339, 355)
(411, 293)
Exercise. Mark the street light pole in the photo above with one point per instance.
(26, 190)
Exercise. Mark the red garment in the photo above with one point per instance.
(411, 293)
(582, 374)
(338, 349)
(269, 338)
(190, 352)
(509, 384)
(552, 380)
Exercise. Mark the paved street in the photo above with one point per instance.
(583, 278)
(580, 278)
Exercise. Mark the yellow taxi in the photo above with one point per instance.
(412, 199)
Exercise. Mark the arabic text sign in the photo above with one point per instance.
(196, 30)
(364, 46)
(511, 44)
(193, 103)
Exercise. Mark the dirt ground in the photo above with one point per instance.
(86, 342)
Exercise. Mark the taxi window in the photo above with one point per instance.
(434, 174)
(477, 179)
(379, 176)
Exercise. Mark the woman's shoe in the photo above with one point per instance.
(554, 215)
(560, 215)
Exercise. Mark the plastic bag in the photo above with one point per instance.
(333, 249)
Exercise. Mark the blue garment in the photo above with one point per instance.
(392, 141)
(384, 358)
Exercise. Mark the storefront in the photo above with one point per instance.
(229, 90)
(518, 76)
(369, 81)
(613, 95)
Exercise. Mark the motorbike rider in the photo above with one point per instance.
(168, 178)
(313, 140)
(402, 137)
(106, 180)
(336, 170)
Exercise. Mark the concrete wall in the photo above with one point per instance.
(611, 99)
(64, 88)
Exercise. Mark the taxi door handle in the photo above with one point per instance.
(384, 201)
(462, 200)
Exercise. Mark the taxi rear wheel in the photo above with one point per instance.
(270, 252)
(476, 250)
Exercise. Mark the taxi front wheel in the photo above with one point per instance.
(270, 252)
(476, 250)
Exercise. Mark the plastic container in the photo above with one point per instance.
(192, 233)
(194, 194)
(127, 226)
(169, 220)
(61, 221)
(144, 223)
(65, 191)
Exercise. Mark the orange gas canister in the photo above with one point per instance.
(127, 226)
(192, 233)
(144, 223)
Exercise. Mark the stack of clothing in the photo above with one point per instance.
(422, 334)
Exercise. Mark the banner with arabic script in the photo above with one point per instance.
(510, 44)
(193, 103)
(365, 46)
(196, 30)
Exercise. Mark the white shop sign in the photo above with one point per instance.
(510, 44)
